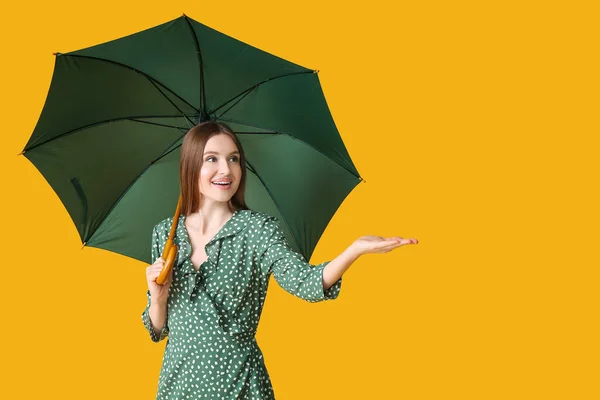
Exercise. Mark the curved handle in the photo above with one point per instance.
(170, 250)
(169, 262)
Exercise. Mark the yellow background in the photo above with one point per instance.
(475, 125)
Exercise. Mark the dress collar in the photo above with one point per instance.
(238, 221)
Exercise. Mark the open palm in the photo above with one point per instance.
(378, 244)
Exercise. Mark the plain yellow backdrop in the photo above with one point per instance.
(475, 125)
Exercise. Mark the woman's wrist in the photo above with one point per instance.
(158, 302)
(353, 251)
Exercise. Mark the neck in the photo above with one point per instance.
(209, 218)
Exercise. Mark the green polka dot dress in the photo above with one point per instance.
(213, 313)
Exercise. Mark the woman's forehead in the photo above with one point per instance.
(220, 144)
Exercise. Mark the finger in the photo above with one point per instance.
(386, 244)
(152, 275)
(400, 242)
(409, 241)
(391, 241)
(390, 248)
(154, 269)
(403, 242)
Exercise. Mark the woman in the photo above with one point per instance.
(211, 302)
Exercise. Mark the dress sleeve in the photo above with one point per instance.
(290, 269)
(146, 314)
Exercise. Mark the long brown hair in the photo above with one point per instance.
(192, 158)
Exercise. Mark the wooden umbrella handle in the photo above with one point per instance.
(170, 250)
(169, 262)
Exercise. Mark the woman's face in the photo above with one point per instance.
(221, 170)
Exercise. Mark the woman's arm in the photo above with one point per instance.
(336, 268)
(154, 316)
(158, 316)
(158, 295)
(363, 245)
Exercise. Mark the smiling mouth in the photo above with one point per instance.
(222, 185)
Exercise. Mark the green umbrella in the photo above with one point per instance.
(109, 135)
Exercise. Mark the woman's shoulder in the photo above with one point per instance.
(256, 218)
(165, 224)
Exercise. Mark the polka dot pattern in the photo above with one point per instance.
(213, 313)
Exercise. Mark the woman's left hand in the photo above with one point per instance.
(378, 244)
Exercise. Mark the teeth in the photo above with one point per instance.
(222, 183)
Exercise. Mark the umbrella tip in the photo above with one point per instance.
(84, 243)
(316, 71)
(57, 54)
(21, 153)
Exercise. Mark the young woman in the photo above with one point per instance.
(211, 302)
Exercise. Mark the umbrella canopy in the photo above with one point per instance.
(109, 135)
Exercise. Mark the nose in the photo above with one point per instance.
(224, 167)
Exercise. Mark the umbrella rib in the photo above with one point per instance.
(135, 70)
(292, 137)
(167, 153)
(274, 201)
(81, 128)
(234, 104)
(251, 88)
(157, 124)
(169, 100)
(200, 64)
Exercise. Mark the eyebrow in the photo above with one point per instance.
(214, 152)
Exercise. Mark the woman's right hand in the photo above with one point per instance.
(158, 293)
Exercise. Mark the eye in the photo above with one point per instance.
(234, 158)
(210, 158)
